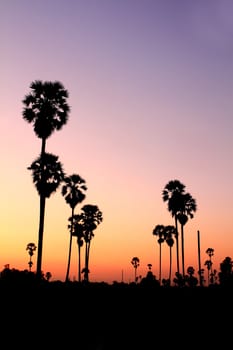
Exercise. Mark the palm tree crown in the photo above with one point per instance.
(46, 107)
(47, 174)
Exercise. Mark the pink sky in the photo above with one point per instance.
(150, 85)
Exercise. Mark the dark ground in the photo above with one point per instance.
(102, 317)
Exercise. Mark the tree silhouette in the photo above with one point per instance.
(159, 231)
(47, 109)
(187, 206)
(170, 231)
(47, 175)
(89, 219)
(135, 262)
(226, 272)
(31, 247)
(171, 194)
(73, 192)
(77, 231)
(209, 264)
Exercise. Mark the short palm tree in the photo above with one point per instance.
(77, 231)
(159, 231)
(89, 220)
(73, 191)
(47, 176)
(135, 262)
(31, 247)
(210, 252)
(170, 232)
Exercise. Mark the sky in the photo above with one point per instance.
(150, 87)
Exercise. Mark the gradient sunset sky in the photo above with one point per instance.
(150, 87)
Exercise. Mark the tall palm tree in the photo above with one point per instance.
(89, 219)
(159, 231)
(47, 109)
(31, 247)
(187, 207)
(73, 192)
(47, 176)
(171, 194)
(135, 262)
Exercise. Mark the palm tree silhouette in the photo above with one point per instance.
(77, 231)
(209, 263)
(73, 192)
(171, 194)
(47, 176)
(47, 109)
(31, 247)
(159, 231)
(89, 219)
(135, 262)
(170, 231)
(187, 206)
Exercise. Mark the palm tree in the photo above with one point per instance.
(77, 231)
(89, 219)
(31, 247)
(187, 206)
(159, 231)
(170, 231)
(210, 252)
(73, 192)
(47, 176)
(171, 194)
(47, 109)
(135, 262)
(208, 264)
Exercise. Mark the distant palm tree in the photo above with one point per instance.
(210, 252)
(73, 192)
(187, 207)
(208, 264)
(48, 276)
(170, 231)
(77, 231)
(47, 176)
(135, 262)
(47, 109)
(159, 231)
(171, 194)
(89, 220)
(31, 247)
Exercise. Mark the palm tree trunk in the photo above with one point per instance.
(182, 249)
(170, 266)
(69, 258)
(40, 235)
(70, 246)
(160, 262)
(41, 220)
(177, 246)
(79, 263)
(199, 258)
